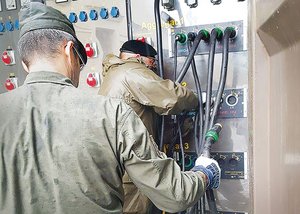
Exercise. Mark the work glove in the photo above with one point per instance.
(211, 169)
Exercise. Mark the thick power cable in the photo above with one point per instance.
(181, 147)
(175, 57)
(211, 137)
(228, 33)
(159, 38)
(160, 61)
(211, 59)
(198, 125)
(202, 35)
(129, 20)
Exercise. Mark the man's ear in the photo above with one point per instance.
(68, 50)
(25, 67)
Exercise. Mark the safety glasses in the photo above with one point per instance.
(82, 64)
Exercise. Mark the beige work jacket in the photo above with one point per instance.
(144, 91)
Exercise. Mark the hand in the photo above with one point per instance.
(211, 169)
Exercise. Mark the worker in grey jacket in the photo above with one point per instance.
(62, 151)
(131, 77)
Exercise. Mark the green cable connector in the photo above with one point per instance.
(233, 32)
(189, 164)
(219, 33)
(205, 34)
(181, 38)
(212, 134)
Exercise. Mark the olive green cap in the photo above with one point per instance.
(36, 15)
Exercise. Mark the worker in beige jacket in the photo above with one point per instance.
(131, 78)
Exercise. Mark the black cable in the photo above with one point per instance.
(198, 122)
(203, 34)
(211, 201)
(211, 58)
(160, 61)
(202, 208)
(197, 137)
(175, 58)
(173, 141)
(129, 20)
(172, 144)
(159, 38)
(210, 137)
(199, 126)
(229, 32)
(210, 193)
(162, 130)
(181, 147)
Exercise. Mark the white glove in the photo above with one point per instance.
(211, 169)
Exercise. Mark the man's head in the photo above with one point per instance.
(48, 38)
(142, 50)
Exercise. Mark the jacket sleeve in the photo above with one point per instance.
(165, 96)
(157, 176)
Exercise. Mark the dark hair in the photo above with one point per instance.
(42, 43)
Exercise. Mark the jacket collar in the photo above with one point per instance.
(47, 77)
(111, 61)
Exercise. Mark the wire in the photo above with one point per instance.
(159, 38)
(160, 61)
(227, 34)
(211, 201)
(199, 117)
(181, 147)
(211, 58)
(129, 20)
(201, 35)
(175, 58)
(162, 130)
(202, 205)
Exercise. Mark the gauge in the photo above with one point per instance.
(60, 1)
(23, 2)
(11, 4)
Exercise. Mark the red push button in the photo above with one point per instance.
(89, 50)
(6, 58)
(9, 85)
(91, 80)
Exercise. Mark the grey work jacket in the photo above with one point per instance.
(144, 91)
(63, 151)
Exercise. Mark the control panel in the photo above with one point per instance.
(233, 103)
(233, 164)
(101, 27)
(236, 44)
(11, 71)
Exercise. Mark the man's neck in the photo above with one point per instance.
(42, 65)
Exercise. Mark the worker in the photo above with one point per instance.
(64, 151)
(132, 77)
